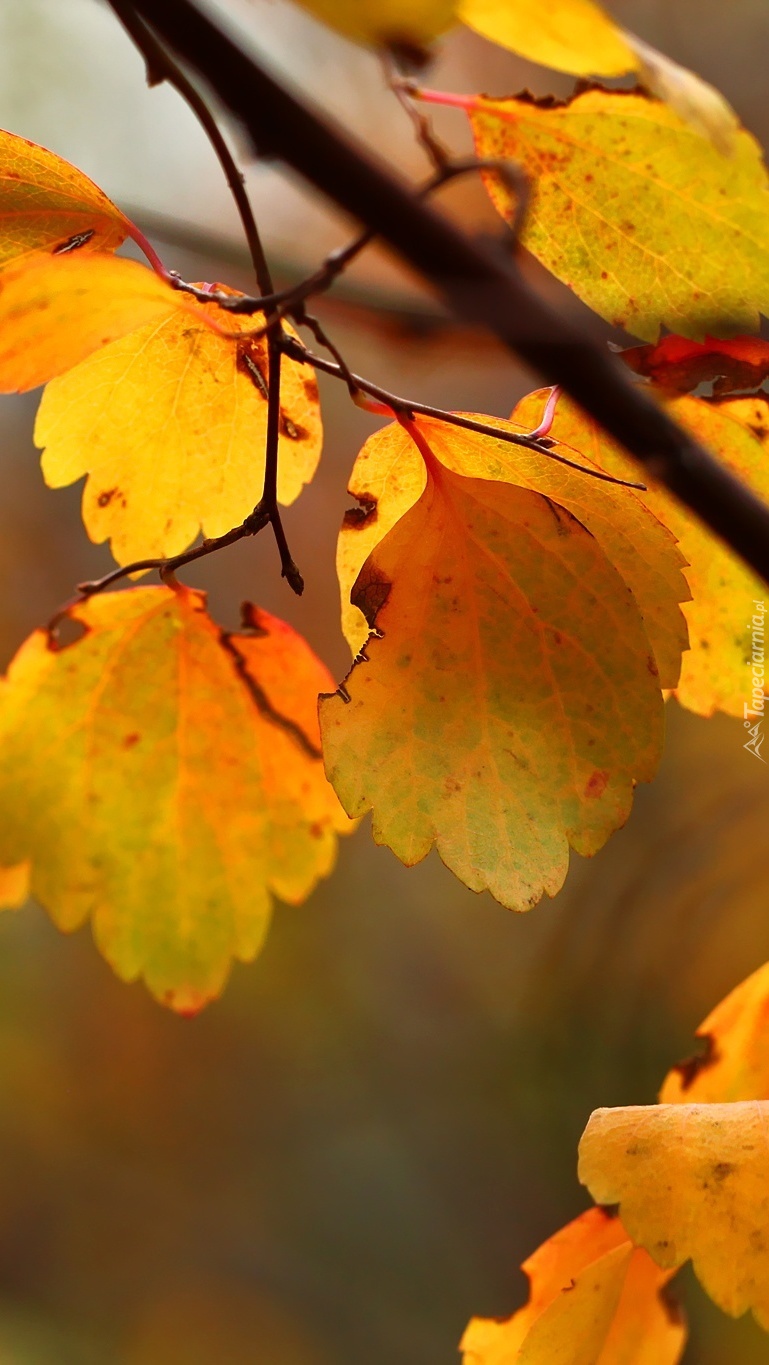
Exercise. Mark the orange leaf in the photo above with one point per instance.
(14, 886)
(678, 364)
(734, 1062)
(169, 423)
(56, 310)
(508, 700)
(715, 671)
(164, 778)
(593, 1300)
(48, 205)
(389, 475)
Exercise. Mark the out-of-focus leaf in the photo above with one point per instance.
(715, 672)
(55, 311)
(164, 778)
(634, 211)
(508, 699)
(399, 24)
(48, 205)
(679, 364)
(169, 424)
(389, 475)
(569, 35)
(734, 1061)
(691, 1182)
(594, 1299)
(698, 103)
(14, 886)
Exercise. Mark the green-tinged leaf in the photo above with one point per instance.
(646, 221)
(164, 779)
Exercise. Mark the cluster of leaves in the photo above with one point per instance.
(685, 1179)
(516, 605)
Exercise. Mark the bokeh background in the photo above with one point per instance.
(351, 1152)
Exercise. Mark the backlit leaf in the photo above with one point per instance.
(698, 103)
(734, 1061)
(634, 211)
(679, 364)
(594, 1299)
(14, 886)
(389, 475)
(569, 35)
(715, 672)
(48, 205)
(164, 779)
(55, 311)
(169, 424)
(386, 23)
(512, 700)
(691, 1182)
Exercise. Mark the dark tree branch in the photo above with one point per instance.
(476, 283)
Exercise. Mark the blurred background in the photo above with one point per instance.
(351, 1152)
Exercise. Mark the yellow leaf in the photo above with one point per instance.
(635, 211)
(169, 423)
(569, 35)
(389, 475)
(386, 23)
(734, 1062)
(14, 886)
(56, 310)
(594, 1299)
(692, 1182)
(48, 205)
(512, 700)
(715, 672)
(164, 778)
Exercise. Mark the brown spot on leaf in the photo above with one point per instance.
(355, 518)
(690, 1068)
(291, 429)
(596, 783)
(130, 740)
(311, 390)
(104, 499)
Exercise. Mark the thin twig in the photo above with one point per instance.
(253, 524)
(161, 66)
(431, 145)
(540, 445)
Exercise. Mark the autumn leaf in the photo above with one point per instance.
(169, 423)
(14, 886)
(691, 1182)
(715, 671)
(164, 778)
(48, 205)
(681, 365)
(389, 476)
(569, 35)
(55, 311)
(594, 1299)
(400, 24)
(634, 211)
(508, 699)
(734, 1061)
